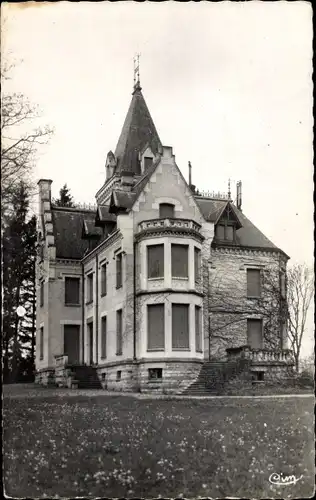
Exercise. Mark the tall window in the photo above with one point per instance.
(253, 283)
(119, 332)
(72, 286)
(254, 333)
(41, 346)
(180, 326)
(155, 261)
(166, 210)
(90, 288)
(155, 327)
(103, 337)
(103, 279)
(119, 270)
(198, 329)
(41, 293)
(179, 261)
(197, 264)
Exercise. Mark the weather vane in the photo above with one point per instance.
(136, 69)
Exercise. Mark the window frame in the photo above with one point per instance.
(197, 264)
(180, 348)
(42, 293)
(250, 269)
(119, 333)
(149, 276)
(67, 279)
(165, 205)
(104, 273)
(173, 276)
(119, 270)
(103, 337)
(226, 224)
(150, 349)
(198, 334)
(41, 342)
(89, 292)
(153, 370)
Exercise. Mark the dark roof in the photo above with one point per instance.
(68, 224)
(122, 199)
(138, 130)
(104, 215)
(247, 236)
(90, 230)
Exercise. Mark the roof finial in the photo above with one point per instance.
(136, 72)
(229, 192)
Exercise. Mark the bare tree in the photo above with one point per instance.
(300, 291)
(20, 140)
(229, 306)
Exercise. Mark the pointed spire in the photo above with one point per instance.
(136, 74)
(138, 131)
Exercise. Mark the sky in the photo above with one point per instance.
(228, 85)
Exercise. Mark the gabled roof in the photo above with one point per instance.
(90, 230)
(246, 236)
(138, 130)
(103, 215)
(68, 225)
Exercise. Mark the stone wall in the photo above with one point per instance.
(228, 303)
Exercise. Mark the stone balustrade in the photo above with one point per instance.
(261, 355)
(180, 224)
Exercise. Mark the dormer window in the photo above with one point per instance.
(225, 232)
(148, 161)
(166, 211)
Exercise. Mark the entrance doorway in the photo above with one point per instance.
(90, 340)
(72, 343)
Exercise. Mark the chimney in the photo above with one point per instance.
(190, 174)
(45, 195)
(239, 198)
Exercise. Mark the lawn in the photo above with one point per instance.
(56, 444)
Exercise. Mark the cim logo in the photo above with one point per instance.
(282, 480)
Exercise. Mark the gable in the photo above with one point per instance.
(165, 184)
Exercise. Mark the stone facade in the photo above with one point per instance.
(128, 223)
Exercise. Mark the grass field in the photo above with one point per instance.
(56, 444)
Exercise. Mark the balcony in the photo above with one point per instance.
(261, 356)
(169, 226)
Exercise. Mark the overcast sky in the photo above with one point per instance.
(229, 86)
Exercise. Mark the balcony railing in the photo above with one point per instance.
(261, 355)
(186, 224)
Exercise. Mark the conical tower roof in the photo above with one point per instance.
(137, 132)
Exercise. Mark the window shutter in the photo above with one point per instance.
(119, 332)
(42, 343)
(198, 329)
(155, 261)
(119, 270)
(155, 327)
(179, 261)
(253, 283)
(103, 337)
(220, 232)
(180, 326)
(229, 233)
(254, 332)
(103, 279)
(197, 264)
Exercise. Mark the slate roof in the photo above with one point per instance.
(68, 224)
(104, 215)
(138, 130)
(247, 236)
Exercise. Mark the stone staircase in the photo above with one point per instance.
(84, 377)
(215, 375)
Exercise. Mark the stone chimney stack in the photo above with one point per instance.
(45, 195)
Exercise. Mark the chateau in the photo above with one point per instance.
(159, 286)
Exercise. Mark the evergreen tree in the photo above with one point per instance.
(65, 199)
(19, 254)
